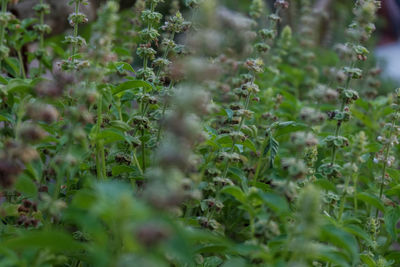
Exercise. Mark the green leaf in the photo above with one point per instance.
(111, 136)
(275, 202)
(129, 85)
(120, 125)
(250, 145)
(123, 66)
(119, 169)
(371, 200)
(18, 86)
(229, 113)
(282, 128)
(341, 239)
(392, 217)
(49, 239)
(325, 184)
(3, 80)
(236, 192)
(26, 186)
(272, 146)
(367, 260)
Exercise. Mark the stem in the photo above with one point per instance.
(21, 64)
(387, 150)
(260, 159)
(2, 26)
(227, 164)
(343, 201)
(339, 124)
(143, 153)
(100, 155)
(41, 39)
(76, 27)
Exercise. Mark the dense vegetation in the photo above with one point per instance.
(197, 133)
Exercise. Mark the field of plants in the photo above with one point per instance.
(197, 133)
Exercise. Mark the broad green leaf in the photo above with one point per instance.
(120, 125)
(275, 202)
(123, 66)
(118, 169)
(236, 192)
(367, 260)
(371, 200)
(287, 127)
(26, 186)
(129, 85)
(52, 240)
(111, 136)
(392, 217)
(272, 146)
(250, 145)
(341, 239)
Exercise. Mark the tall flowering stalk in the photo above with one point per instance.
(75, 40)
(359, 31)
(389, 140)
(42, 29)
(5, 18)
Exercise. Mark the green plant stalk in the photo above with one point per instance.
(146, 59)
(41, 39)
(227, 163)
(260, 159)
(355, 179)
(387, 150)
(343, 200)
(100, 155)
(338, 125)
(2, 26)
(143, 153)
(21, 64)
(76, 29)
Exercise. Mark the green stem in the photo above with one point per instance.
(100, 155)
(76, 28)
(387, 150)
(143, 152)
(343, 201)
(339, 124)
(242, 119)
(21, 64)
(41, 39)
(260, 159)
(2, 26)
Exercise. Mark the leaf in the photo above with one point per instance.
(26, 186)
(367, 260)
(111, 136)
(282, 128)
(325, 184)
(229, 113)
(117, 170)
(129, 85)
(272, 145)
(250, 145)
(275, 202)
(49, 239)
(120, 125)
(371, 200)
(357, 231)
(123, 66)
(341, 239)
(3, 80)
(236, 192)
(392, 217)
(18, 85)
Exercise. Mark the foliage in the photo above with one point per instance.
(200, 136)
